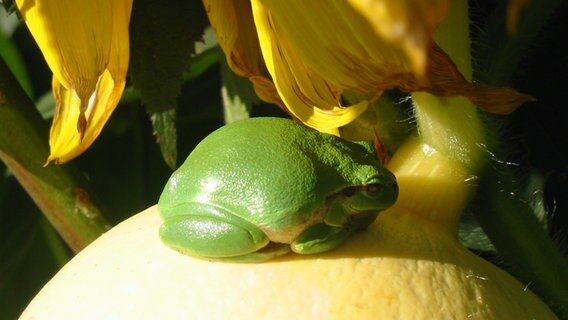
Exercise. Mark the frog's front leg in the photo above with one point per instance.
(319, 238)
(213, 233)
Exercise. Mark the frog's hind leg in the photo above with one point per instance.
(212, 233)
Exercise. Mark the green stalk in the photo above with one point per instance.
(453, 127)
(59, 191)
(526, 247)
(520, 238)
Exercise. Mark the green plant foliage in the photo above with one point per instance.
(11, 55)
(8, 5)
(162, 41)
(238, 95)
(30, 249)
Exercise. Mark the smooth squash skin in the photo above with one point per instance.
(407, 265)
(384, 273)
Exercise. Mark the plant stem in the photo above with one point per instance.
(520, 238)
(454, 128)
(526, 247)
(452, 125)
(59, 191)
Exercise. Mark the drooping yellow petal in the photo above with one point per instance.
(85, 43)
(408, 24)
(236, 33)
(315, 53)
(369, 46)
(445, 80)
(74, 37)
(357, 44)
(66, 141)
(307, 95)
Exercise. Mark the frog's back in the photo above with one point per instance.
(259, 166)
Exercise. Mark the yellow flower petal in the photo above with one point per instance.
(445, 80)
(74, 37)
(315, 53)
(236, 33)
(313, 58)
(359, 44)
(66, 140)
(307, 95)
(85, 43)
(408, 24)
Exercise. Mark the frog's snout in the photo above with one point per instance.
(384, 195)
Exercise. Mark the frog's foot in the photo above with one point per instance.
(319, 238)
(212, 233)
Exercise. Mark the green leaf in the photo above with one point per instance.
(32, 263)
(532, 257)
(163, 39)
(8, 5)
(30, 249)
(165, 131)
(202, 61)
(472, 235)
(238, 95)
(11, 55)
(15, 233)
(45, 104)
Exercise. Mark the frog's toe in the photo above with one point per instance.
(320, 238)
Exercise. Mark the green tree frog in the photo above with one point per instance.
(262, 187)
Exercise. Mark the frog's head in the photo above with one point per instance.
(360, 204)
(377, 190)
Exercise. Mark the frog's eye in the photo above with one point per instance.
(373, 189)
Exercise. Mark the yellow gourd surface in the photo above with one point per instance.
(408, 265)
